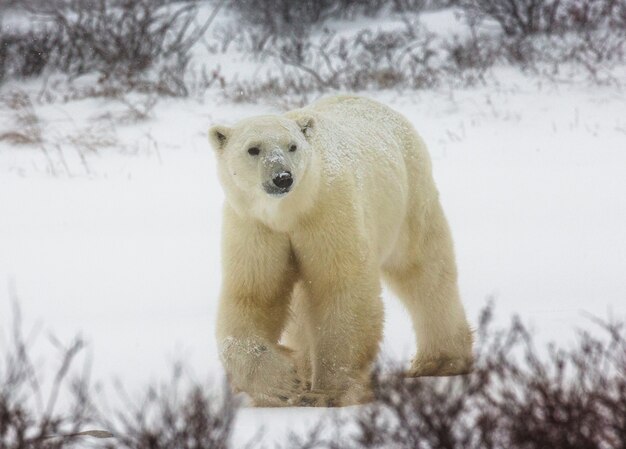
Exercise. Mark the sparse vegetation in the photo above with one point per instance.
(169, 418)
(545, 38)
(521, 395)
(519, 17)
(410, 58)
(530, 17)
(285, 17)
(28, 416)
(27, 124)
(26, 53)
(145, 45)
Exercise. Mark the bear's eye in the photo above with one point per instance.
(293, 147)
(254, 151)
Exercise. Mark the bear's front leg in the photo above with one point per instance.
(347, 321)
(258, 276)
(346, 315)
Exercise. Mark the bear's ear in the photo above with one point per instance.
(306, 125)
(218, 136)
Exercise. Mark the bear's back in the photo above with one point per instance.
(356, 133)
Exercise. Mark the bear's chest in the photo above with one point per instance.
(274, 215)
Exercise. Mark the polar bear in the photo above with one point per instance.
(321, 204)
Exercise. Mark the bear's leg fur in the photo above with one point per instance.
(340, 274)
(253, 311)
(424, 277)
(298, 334)
(346, 317)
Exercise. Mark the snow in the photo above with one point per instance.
(126, 251)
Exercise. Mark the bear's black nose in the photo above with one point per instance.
(283, 180)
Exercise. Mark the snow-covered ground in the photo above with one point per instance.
(123, 245)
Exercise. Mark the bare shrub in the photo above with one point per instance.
(283, 16)
(546, 37)
(586, 55)
(586, 14)
(520, 395)
(143, 45)
(349, 9)
(596, 51)
(6, 4)
(521, 18)
(167, 417)
(27, 123)
(123, 39)
(571, 39)
(469, 60)
(379, 60)
(410, 58)
(618, 17)
(28, 419)
(518, 17)
(294, 18)
(26, 53)
(21, 5)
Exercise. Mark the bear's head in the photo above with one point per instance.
(265, 159)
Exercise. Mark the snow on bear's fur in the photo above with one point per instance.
(321, 204)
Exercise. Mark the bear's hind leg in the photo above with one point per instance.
(424, 277)
(444, 340)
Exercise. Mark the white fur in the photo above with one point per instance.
(305, 266)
